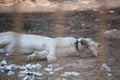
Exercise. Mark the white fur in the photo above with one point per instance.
(49, 48)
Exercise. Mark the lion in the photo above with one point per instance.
(46, 47)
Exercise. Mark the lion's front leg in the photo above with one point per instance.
(38, 55)
(51, 57)
(52, 53)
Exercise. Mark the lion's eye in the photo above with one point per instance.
(81, 42)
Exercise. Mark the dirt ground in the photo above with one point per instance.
(76, 24)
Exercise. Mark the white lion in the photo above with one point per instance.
(46, 47)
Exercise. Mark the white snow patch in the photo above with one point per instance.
(53, 65)
(10, 73)
(7, 54)
(67, 74)
(59, 68)
(26, 73)
(31, 66)
(50, 69)
(11, 67)
(109, 75)
(51, 73)
(105, 67)
(22, 67)
(26, 78)
(3, 62)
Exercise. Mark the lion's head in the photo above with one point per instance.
(87, 47)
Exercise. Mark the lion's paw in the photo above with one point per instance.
(31, 57)
(51, 58)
